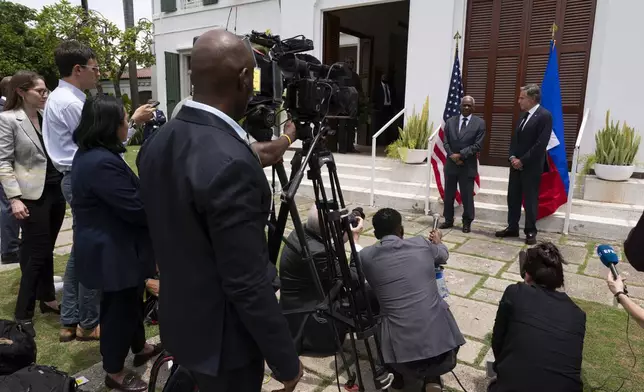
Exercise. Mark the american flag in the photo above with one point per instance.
(452, 108)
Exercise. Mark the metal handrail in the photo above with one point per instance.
(573, 171)
(431, 142)
(373, 153)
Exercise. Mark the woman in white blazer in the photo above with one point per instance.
(32, 185)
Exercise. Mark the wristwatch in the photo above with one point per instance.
(617, 294)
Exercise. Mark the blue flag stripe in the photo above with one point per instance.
(551, 100)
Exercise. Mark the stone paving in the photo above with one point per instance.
(479, 269)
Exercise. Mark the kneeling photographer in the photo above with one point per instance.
(298, 290)
(418, 333)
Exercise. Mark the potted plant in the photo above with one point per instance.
(615, 152)
(411, 146)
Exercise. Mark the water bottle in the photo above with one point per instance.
(440, 282)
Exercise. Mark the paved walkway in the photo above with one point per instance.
(479, 269)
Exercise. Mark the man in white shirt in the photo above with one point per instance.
(79, 71)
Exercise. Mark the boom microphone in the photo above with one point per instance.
(610, 259)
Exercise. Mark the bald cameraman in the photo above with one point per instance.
(269, 153)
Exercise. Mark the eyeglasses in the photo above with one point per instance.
(94, 68)
(41, 92)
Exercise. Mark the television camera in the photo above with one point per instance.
(298, 83)
(313, 93)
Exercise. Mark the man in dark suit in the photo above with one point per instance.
(527, 159)
(208, 204)
(382, 99)
(464, 136)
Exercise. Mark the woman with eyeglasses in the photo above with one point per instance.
(32, 185)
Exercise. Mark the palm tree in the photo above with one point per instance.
(128, 13)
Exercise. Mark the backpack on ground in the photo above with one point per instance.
(36, 378)
(17, 347)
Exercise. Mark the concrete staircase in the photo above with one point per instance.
(403, 187)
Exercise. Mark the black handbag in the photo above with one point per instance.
(36, 378)
(17, 347)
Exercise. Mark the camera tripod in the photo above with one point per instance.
(343, 292)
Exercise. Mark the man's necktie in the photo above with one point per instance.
(523, 121)
(463, 125)
(387, 97)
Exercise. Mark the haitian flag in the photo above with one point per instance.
(553, 190)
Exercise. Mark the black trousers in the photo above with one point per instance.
(523, 187)
(246, 379)
(466, 186)
(39, 233)
(346, 135)
(121, 326)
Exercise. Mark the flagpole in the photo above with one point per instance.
(431, 142)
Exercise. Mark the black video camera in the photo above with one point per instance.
(356, 213)
(313, 91)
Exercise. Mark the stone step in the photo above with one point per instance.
(417, 191)
(494, 214)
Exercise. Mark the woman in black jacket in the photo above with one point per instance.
(112, 244)
(538, 336)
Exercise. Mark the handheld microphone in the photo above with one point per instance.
(437, 219)
(610, 259)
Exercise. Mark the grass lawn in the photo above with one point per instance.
(70, 357)
(607, 357)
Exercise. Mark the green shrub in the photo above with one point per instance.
(414, 135)
(615, 145)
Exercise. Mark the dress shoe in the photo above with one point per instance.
(507, 232)
(86, 335)
(141, 359)
(44, 309)
(531, 239)
(467, 227)
(11, 258)
(446, 225)
(67, 334)
(131, 383)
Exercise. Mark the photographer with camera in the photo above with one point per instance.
(298, 290)
(268, 152)
(208, 202)
(419, 335)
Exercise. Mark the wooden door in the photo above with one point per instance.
(331, 43)
(506, 47)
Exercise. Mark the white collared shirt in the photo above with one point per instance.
(62, 115)
(530, 114)
(198, 105)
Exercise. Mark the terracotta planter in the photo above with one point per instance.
(614, 173)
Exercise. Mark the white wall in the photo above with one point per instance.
(348, 40)
(432, 24)
(175, 31)
(615, 73)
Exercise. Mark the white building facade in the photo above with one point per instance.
(599, 63)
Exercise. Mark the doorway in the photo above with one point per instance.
(375, 37)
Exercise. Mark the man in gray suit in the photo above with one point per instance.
(419, 335)
(464, 136)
